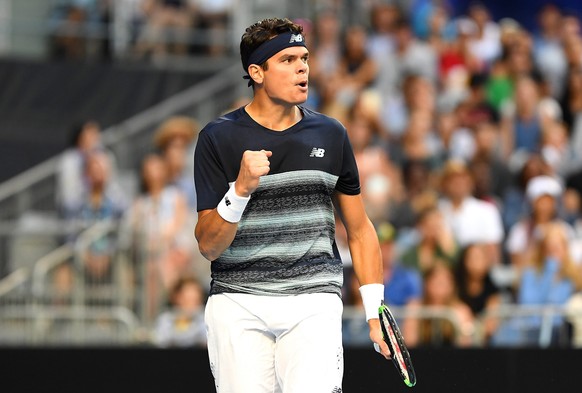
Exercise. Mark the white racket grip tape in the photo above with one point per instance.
(232, 206)
(372, 296)
(377, 348)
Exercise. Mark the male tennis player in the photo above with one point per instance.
(267, 178)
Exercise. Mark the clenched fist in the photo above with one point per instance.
(253, 165)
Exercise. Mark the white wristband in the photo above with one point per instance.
(372, 296)
(232, 206)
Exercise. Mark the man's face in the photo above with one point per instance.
(286, 77)
(458, 186)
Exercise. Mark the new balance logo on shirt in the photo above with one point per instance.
(317, 152)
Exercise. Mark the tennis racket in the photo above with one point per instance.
(400, 356)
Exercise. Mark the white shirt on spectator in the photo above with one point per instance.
(475, 221)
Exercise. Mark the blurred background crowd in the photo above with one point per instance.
(467, 131)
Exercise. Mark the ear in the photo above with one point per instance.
(256, 73)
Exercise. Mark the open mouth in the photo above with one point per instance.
(302, 84)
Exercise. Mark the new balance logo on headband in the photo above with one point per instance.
(296, 38)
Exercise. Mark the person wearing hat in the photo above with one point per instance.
(268, 176)
(470, 219)
(174, 140)
(543, 195)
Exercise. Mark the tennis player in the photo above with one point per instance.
(267, 177)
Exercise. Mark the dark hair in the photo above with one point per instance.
(261, 32)
(181, 283)
(461, 273)
(77, 129)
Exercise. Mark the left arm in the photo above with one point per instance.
(365, 252)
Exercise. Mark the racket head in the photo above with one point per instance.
(393, 338)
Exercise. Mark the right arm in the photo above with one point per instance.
(213, 232)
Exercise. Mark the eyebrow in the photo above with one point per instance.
(286, 56)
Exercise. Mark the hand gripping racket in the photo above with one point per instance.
(393, 337)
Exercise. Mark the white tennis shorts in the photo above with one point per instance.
(275, 344)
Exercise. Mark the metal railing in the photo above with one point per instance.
(28, 318)
(34, 312)
(539, 326)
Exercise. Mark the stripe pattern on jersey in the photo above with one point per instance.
(283, 245)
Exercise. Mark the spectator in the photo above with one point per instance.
(543, 194)
(442, 36)
(379, 178)
(467, 36)
(549, 277)
(461, 211)
(380, 183)
(420, 141)
(410, 57)
(570, 28)
(101, 202)
(212, 18)
(182, 325)
(158, 230)
(383, 17)
(483, 182)
(558, 151)
(434, 243)
(418, 194)
(524, 117)
(325, 57)
(518, 54)
(166, 30)
(458, 141)
(402, 285)
(572, 213)
(80, 29)
(355, 72)
(452, 43)
(175, 139)
(71, 174)
(487, 150)
(485, 44)
(418, 94)
(476, 288)
(548, 49)
(574, 317)
(439, 295)
(499, 86)
(477, 108)
(571, 105)
(100, 199)
(515, 200)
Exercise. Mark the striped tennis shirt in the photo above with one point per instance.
(284, 244)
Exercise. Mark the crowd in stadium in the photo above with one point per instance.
(467, 132)
(145, 29)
